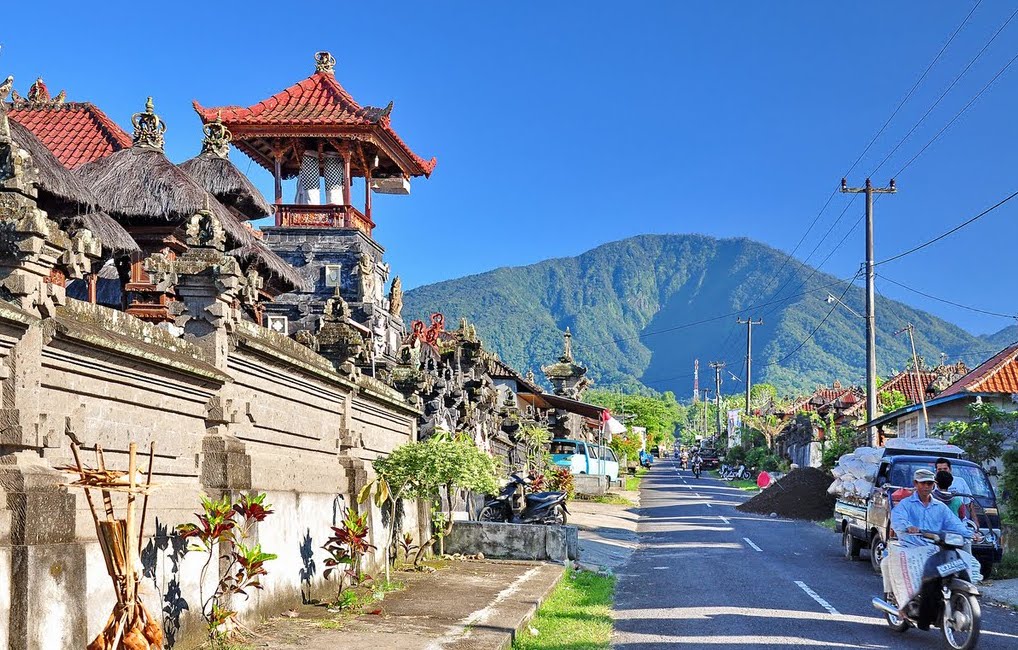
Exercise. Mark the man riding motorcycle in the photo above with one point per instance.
(697, 462)
(921, 512)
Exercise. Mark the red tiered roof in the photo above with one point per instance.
(913, 387)
(76, 132)
(316, 107)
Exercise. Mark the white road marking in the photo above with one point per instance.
(727, 523)
(658, 568)
(815, 596)
(755, 547)
(708, 505)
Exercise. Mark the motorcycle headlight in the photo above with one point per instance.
(954, 539)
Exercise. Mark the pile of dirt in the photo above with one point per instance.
(800, 494)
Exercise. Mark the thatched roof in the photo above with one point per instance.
(260, 254)
(60, 189)
(222, 178)
(140, 184)
(115, 239)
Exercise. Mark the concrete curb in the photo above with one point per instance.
(512, 615)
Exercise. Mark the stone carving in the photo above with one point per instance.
(148, 128)
(251, 292)
(325, 62)
(217, 138)
(204, 230)
(366, 275)
(307, 339)
(396, 297)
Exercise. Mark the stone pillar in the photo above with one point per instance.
(47, 606)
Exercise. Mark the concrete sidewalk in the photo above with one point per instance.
(607, 532)
(476, 605)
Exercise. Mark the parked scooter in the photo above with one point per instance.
(536, 508)
(729, 473)
(947, 598)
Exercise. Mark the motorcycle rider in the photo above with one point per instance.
(697, 461)
(921, 512)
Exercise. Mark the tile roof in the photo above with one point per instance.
(76, 132)
(998, 374)
(914, 387)
(318, 101)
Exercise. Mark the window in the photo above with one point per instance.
(609, 455)
(593, 452)
(562, 447)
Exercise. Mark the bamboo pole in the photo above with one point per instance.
(129, 537)
(144, 501)
(100, 460)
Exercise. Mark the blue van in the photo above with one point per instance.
(584, 458)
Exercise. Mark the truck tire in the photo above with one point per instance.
(850, 546)
(878, 549)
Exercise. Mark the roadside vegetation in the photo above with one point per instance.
(577, 615)
(633, 482)
(611, 499)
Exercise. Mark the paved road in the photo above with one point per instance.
(706, 575)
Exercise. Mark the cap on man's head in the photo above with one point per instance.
(924, 476)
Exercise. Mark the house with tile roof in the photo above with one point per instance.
(994, 381)
(76, 132)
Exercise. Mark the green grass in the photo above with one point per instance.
(612, 499)
(1008, 567)
(829, 524)
(577, 615)
(633, 482)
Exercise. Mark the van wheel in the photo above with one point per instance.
(850, 546)
(878, 549)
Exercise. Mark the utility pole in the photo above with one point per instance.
(749, 323)
(717, 366)
(704, 402)
(696, 379)
(910, 328)
(871, 324)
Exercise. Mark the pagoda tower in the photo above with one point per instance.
(315, 132)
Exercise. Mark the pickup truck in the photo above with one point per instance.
(866, 522)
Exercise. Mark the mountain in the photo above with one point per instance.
(642, 309)
(1003, 338)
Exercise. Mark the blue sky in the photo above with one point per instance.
(560, 126)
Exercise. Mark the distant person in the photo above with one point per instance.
(942, 492)
(958, 484)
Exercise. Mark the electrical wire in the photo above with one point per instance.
(944, 94)
(949, 302)
(949, 232)
(957, 115)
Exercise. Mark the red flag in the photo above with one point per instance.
(605, 415)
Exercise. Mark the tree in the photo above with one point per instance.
(423, 470)
(892, 400)
(770, 426)
(660, 414)
(983, 435)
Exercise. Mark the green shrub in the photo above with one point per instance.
(1009, 483)
(762, 459)
(735, 456)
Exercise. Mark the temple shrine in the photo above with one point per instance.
(314, 131)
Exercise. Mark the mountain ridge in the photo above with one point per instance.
(641, 309)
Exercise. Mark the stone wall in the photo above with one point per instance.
(271, 416)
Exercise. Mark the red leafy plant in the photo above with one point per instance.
(222, 530)
(347, 547)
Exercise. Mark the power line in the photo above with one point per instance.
(944, 94)
(914, 87)
(869, 145)
(949, 232)
(958, 114)
(815, 329)
(949, 302)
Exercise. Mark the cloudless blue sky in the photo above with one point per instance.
(561, 126)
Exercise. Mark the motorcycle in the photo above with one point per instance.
(947, 598)
(729, 473)
(536, 508)
(696, 469)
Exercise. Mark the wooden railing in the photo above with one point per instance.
(323, 216)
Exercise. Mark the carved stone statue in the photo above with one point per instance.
(366, 274)
(396, 297)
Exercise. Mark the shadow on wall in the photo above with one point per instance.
(308, 570)
(174, 603)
